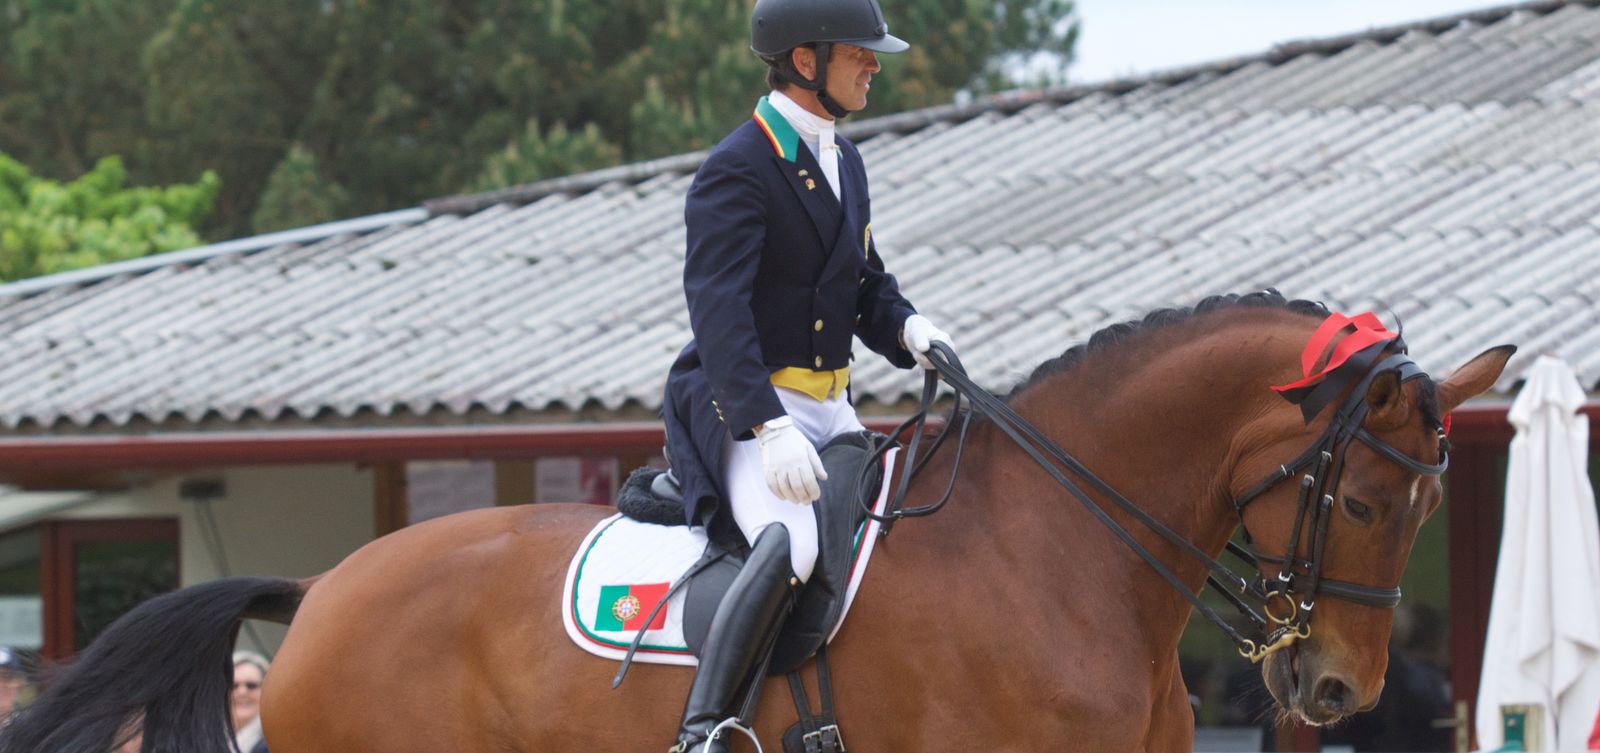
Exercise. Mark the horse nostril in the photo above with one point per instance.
(1332, 694)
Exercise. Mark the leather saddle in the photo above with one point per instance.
(651, 495)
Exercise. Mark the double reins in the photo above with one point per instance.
(1323, 462)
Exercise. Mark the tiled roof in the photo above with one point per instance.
(1446, 172)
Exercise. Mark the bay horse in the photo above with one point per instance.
(1010, 621)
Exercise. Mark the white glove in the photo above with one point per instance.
(790, 462)
(918, 334)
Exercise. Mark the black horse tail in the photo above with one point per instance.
(167, 664)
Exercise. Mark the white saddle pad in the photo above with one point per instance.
(624, 567)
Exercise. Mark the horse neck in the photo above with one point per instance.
(1159, 424)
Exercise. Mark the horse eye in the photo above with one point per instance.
(1359, 510)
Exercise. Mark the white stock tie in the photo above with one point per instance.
(828, 155)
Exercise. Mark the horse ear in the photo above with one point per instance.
(1386, 402)
(1474, 378)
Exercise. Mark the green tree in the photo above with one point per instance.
(71, 85)
(409, 99)
(230, 85)
(398, 101)
(690, 81)
(297, 194)
(537, 156)
(47, 226)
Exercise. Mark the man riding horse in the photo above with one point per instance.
(780, 273)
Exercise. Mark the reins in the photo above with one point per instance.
(1323, 461)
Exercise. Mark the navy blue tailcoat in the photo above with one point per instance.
(778, 273)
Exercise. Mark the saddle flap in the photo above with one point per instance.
(622, 551)
(840, 512)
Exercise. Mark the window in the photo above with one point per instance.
(92, 572)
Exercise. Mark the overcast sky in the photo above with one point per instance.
(1123, 37)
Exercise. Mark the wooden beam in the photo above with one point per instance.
(56, 574)
(513, 482)
(58, 569)
(1295, 737)
(1476, 484)
(390, 500)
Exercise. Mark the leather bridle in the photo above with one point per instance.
(1323, 463)
(1287, 619)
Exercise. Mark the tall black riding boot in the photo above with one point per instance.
(750, 613)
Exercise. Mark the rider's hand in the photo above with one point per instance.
(789, 461)
(918, 334)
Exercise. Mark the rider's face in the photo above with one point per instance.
(850, 75)
(849, 72)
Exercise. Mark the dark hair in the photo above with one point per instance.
(776, 81)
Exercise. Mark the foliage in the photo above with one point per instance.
(367, 106)
(71, 85)
(47, 226)
(537, 156)
(298, 194)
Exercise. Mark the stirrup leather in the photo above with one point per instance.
(824, 740)
(738, 645)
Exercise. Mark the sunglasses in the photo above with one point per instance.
(247, 685)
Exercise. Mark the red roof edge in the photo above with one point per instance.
(217, 449)
(1484, 422)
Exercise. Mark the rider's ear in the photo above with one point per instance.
(805, 61)
(1386, 401)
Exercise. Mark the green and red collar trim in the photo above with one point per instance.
(785, 139)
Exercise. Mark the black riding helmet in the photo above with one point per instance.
(778, 26)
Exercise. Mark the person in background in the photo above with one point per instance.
(135, 739)
(13, 680)
(249, 671)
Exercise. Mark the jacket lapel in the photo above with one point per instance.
(842, 244)
(804, 175)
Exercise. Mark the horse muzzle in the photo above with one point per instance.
(1310, 692)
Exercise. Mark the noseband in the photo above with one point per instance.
(1322, 462)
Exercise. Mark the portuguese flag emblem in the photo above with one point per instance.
(626, 607)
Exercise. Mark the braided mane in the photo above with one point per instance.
(1115, 334)
(1157, 319)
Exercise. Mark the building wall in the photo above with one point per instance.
(291, 521)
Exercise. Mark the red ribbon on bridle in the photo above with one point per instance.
(1364, 337)
(1368, 330)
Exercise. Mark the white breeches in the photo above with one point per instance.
(755, 506)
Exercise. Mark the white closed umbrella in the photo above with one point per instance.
(1543, 645)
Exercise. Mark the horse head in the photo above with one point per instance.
(1348, 510)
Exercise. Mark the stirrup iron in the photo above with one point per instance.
(733, 723)
(730, 723)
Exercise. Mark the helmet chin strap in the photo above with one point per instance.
(818, 84)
